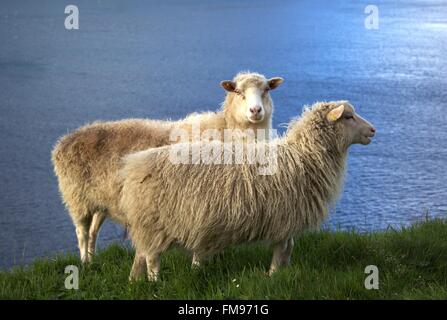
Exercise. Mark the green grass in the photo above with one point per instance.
(325, 265)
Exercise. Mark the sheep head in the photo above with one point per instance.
(249, 100)
(349, 125)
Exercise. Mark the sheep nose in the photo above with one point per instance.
(373, 130)
(255, 110)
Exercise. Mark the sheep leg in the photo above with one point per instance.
(285, 261)
(138, 267)
(153, 266)
(195, 260)
(82, 228)
(281, 254)
(97, 221)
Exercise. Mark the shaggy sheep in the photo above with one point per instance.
(205, 208)
(86, 161)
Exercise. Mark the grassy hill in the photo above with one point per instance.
(412, 264)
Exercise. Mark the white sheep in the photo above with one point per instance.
(87, 160)
(206, 207)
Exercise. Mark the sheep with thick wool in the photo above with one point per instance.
(207, 207)
(87, 160)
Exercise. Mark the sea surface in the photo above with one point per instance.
(165, 59)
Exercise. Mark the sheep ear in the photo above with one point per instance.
(228, 85)
(335, 114)
(275, 82)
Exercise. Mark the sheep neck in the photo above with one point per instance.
(317, 152)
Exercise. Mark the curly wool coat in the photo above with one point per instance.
(207, 207)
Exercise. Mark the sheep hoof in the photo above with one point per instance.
(86, 260)
(271, 272)
(134, 278)
(152, 277)
(137, 275)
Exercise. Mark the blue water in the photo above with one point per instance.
(164, 59)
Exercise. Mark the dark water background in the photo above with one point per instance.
(164, 59)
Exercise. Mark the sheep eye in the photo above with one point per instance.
(239, 94)
(349, 116)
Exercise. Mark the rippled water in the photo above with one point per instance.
(165, 60)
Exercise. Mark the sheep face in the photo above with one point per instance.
(251, 102)
(351, 126)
